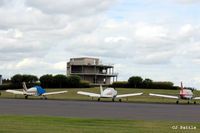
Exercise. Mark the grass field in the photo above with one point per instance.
(72, 95)
(37, 124)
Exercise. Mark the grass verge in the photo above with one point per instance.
(43, 124)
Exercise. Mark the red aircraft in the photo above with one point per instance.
(184, 94)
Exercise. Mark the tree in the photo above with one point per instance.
(29, 78)
(6, 80)
(33, 78)
(135, 81)
(18, 78)
(46, 81)
(147, 83)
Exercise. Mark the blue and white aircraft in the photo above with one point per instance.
(34, 91)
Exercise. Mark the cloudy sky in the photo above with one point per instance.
(149, 38)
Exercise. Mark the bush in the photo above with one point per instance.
(47, 81)
(120, 84)
(60, 81)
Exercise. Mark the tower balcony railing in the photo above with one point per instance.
(92, 73)
(89, 64)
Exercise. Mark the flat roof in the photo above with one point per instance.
(108, 66)
(85, 58)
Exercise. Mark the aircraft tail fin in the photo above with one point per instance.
(181, 87)
(101, 90)
(24, 86)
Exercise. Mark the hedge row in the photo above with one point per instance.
(120, 84)
(138, 82)
(162, 85)
(153, 85)
(17, 85)
(83, 84)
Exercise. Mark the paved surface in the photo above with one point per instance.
(93, 109)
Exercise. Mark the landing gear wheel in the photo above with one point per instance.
(113, 99)
(98, 99)
(188, 102)
(120, 100)
(194, 102)
(177, 102)
(45, 98)
(26, 97)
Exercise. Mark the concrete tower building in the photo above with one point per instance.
(91, 70)
(0, 79)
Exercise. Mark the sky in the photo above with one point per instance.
(153, 39)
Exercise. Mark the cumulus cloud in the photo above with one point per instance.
(141, 42)
(189, 36)
(145, 33)
(73, 8)
(34, 32)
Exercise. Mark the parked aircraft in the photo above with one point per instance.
(184, 94)
(108, 93)
(34, 91)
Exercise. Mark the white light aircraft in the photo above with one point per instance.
(108, 93)
(34, 91)
(184, 94)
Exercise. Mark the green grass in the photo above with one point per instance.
(72, 95)
(41, 124)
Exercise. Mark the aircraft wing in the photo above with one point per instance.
(15, 92)
(196, 98)
(89, 94)
(167, 96)
(128, 95)
(53, 93)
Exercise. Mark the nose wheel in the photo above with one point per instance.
(177, 102)
(98, 99)
(120, 100)
(188, 102)
(26, 97)
(194, 102)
